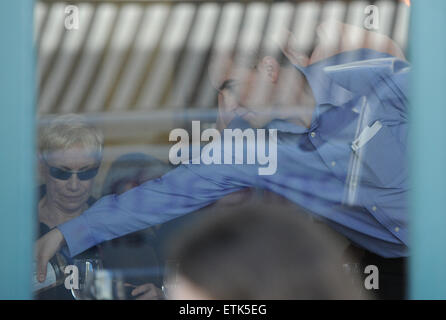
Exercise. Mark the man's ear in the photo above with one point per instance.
(271, 68)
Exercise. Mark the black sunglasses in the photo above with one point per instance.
(61, 174)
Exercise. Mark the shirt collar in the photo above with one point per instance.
(337, 79)
(325, 90)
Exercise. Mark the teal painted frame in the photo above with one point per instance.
(427, 157)
(427, 267)
(17, 160)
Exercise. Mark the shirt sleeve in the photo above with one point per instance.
(182, 190)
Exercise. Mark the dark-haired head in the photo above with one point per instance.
(260, 252)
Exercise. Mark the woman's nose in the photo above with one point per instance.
(73, 182)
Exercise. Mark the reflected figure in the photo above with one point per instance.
(349, 106)
(70, 154)
(138, 250)
(131, 170)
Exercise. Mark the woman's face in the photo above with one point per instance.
(70, 195)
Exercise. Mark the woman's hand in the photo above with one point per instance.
(148, 291)
(45, 248)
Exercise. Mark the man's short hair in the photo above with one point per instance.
(252, 58)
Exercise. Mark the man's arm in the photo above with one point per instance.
(178, 192)
(182, 190)
(335, 37)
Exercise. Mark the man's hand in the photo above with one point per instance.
(148, 291)
(335, 37)
(227, 106)
(45, 248)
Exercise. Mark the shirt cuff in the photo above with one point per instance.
(77, 235)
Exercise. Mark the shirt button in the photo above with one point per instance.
(333, 163)
(397, 229)
(313, 134)
(374, 208)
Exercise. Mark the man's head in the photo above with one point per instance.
(262, 86)
(70, 156)
(259, 252)
(131, 170)
(255, 86)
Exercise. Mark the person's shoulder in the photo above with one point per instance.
(370, 71)
(362, 56)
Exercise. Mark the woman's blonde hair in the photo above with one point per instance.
(66, 131)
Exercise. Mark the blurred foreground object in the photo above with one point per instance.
(259, 252)
(428, 171)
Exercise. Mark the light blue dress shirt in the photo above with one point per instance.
(348, 169)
